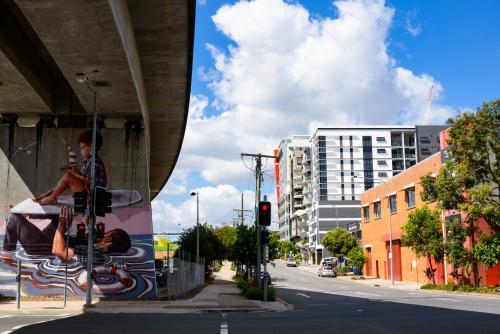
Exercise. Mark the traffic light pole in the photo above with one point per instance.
(91, 216)
(258, 178)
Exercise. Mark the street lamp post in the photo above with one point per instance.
(197, 225)
(390, 223)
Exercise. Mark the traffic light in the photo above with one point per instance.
(80, 231)
(264, 237)
(265, 213)
(99, 231)
(80, 201)
(102, 203)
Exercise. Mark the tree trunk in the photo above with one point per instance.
(475, 269)
(432, 269)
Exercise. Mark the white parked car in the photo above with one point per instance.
(327, 271)
(290, 262)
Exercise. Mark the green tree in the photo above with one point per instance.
(287, 247)
(244, 251)
(422, 233)
(339, 242)
(274, 240)
(488, 251)
(469, 182)
(211, 247)
(356, 257)
(227, 236)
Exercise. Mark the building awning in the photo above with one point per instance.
(395, 236)
(411, 185)
(364, 205)
(368, 245)
(392, 193)
(376, 200)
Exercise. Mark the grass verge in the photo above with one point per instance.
(461, 288)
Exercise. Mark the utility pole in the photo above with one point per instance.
(258, 179)
(241, 211)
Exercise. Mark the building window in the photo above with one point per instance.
(425, 140)
(366, 213)
(380, 138)
(392, 203)
(376, 209)
(382, 163)
(410, 197)
(425, 151)
(351, 150)
(382, 174)
(381, 150)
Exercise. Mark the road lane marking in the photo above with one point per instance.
(303, 295)
(224, 329)
(367, 294)
(5, 316)
(6, 332)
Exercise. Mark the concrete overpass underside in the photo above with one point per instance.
(137, 55)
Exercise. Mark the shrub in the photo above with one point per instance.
(242, 284)
(460, 288)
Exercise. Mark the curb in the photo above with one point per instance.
(288, 306)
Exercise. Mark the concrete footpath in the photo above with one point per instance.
(222, 295)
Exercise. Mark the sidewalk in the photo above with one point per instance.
(373, 281)
(221, 296)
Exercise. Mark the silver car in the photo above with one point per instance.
(327, 271)
(291, 262)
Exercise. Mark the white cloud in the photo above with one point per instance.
(287, 72)
(216, 208)
(197, 105)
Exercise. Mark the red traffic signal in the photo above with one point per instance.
(265, 213)
(99, 230)
(80, 231)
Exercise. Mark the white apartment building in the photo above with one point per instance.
(337, 166)
(290, 180)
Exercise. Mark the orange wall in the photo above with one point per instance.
(375, 232)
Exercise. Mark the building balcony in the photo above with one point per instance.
(298, 205)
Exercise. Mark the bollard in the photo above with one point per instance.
(18, 280)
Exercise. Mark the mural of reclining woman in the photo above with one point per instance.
(52, 239)
(79, 180)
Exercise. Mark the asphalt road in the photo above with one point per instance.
(298, 279)
(321, 305)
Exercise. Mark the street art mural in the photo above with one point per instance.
(40, 170)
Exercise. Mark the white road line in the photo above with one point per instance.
(367, 294)
(303, 295)
(19, 327)
(6, 332)
(5, 316)
(224, 329)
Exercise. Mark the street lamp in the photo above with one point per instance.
(390, 223)
(195, 193)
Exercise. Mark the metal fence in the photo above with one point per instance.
(182, 277)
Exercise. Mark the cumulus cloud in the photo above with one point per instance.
(216, 208)
(287, 72)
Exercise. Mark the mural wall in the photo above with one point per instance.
(40, 168)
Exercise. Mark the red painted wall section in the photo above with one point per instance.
(277, 174)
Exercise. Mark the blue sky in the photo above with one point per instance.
(277, 68)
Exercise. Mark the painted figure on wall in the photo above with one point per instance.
(79, 180)
(41, 230)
